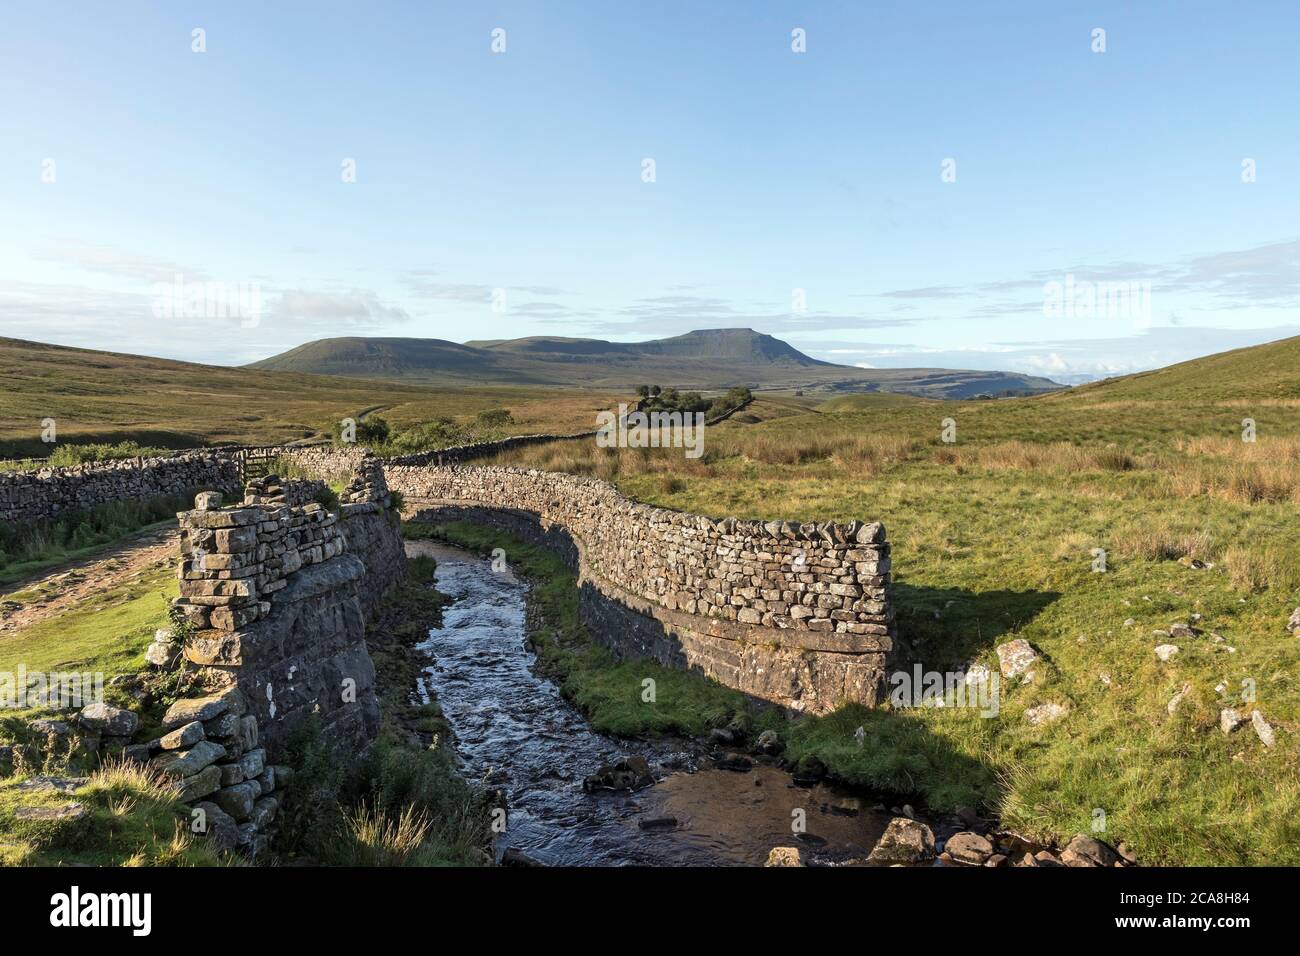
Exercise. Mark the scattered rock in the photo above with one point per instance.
(626, 773)
(1166, 651)
(45, 784)
(904, 841)
(657, 823)
(108, 719)
(997, 859)
(769, 743)
(1179, 697)
(738, 763)
(785, 856)
(722, 736)
(1083, 850)
(162, 655)
(968, 847)
(808, 771)
(1230, 720)
(1045, 713)
(1293, 625)
(517, 857)
(66, 812)
(1184, 631)
(1016, 658)
(1262, 730)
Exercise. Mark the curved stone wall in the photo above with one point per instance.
(799, 614)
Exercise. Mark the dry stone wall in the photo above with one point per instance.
(277, 595)
(45, 494)
(798, 614)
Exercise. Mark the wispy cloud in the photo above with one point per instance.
(112, 261)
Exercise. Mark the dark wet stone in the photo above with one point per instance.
(657, 823)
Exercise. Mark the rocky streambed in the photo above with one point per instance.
(573, 797)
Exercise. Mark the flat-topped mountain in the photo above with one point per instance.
(704, 359)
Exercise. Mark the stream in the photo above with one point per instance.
(515, 732)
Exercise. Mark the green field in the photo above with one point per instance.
(993, 538)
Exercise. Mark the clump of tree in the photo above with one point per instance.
(442, 432)
(372, 431)
(656, 399)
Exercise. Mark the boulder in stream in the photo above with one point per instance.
(625, 773)
(904, 841)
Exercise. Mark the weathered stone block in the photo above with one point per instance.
(238, 800)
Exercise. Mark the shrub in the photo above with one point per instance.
(372, 431)
(495, 418)
(65, 456)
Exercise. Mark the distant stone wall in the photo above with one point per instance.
(798, 614)
(458, 454)
(45, 494)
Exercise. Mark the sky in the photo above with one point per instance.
(886, 184)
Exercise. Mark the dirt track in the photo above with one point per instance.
(56, 590)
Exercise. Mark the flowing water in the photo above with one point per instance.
(516, 733)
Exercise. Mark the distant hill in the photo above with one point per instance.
(704, 359)
(111, 397)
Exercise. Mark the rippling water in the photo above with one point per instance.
(515, 732)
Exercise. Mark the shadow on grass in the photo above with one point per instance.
(937, 757)
(946, 628)
(900, 754)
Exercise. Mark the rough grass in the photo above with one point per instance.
(396, 806)
(108, 635)
(171, 404)
(134, 819)
(993, 538)
(609, 692)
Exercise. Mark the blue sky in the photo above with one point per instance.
(502, 194)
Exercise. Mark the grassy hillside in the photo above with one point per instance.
(993, 538)
(107, 397)
(705, 359)
(1260, 373)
